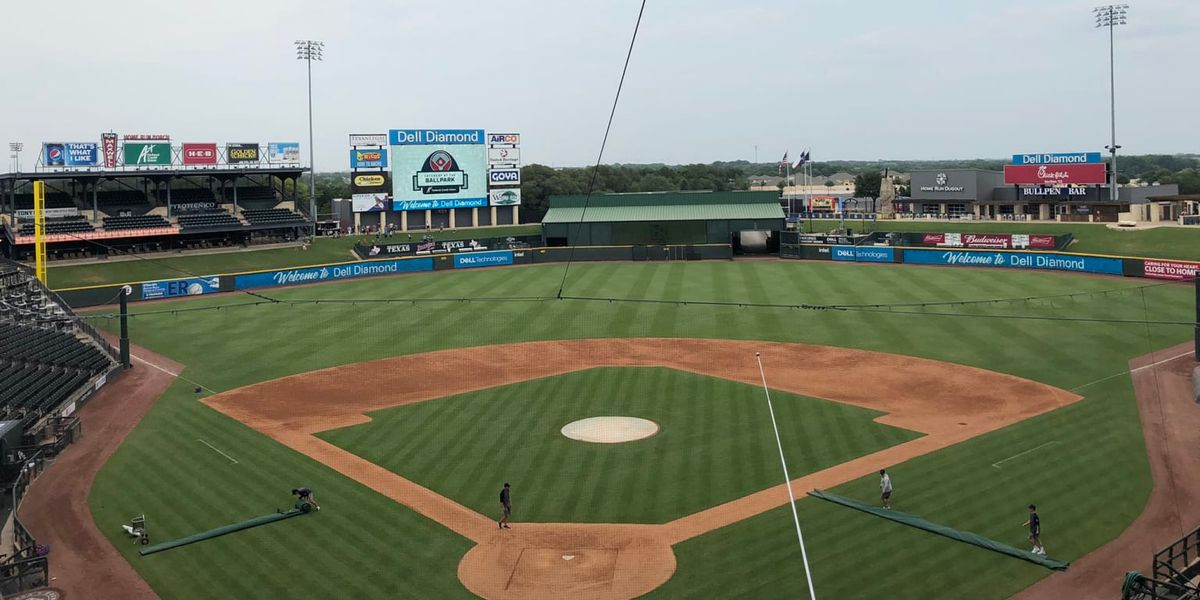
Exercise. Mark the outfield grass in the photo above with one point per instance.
(1182, 243)
(1090, 484)
(714, 441)
(152, 267)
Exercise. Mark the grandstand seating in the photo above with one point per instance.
(76, 224)
(272, 216)
(45, 354)
(53, 200)
(190, 194)
(139, 222)
(217, 219)
(120, 197)
(252, 195)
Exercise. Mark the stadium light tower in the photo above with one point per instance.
(1111, 15)
(16, 148)
(308, 51)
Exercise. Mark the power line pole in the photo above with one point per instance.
(1111, 15)
(308, 51)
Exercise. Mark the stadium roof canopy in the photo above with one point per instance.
(664, 206)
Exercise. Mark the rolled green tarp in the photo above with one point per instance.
(220, 531)
(954, 534)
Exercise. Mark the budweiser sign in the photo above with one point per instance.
(1081, 174)
(968, 240)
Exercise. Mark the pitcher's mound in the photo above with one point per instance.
(610, 430)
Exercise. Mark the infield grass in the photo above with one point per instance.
(714, 441)
(1089, 485)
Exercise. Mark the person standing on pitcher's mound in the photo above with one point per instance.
(505, 507)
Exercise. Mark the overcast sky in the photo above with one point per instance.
(709, 79)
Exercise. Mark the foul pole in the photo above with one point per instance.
(39, 231)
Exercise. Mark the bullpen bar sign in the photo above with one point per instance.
(147, 153)
(199, 154)
(1080, 174)
(1056, 158)
(241, 153)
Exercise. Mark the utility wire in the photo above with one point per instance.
(599, 157)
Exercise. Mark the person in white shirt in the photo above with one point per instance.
(885, 487)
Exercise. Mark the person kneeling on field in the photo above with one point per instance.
(306, 496)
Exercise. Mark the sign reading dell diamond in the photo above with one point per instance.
(438, 168)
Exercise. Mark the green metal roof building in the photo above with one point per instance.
(660, 218)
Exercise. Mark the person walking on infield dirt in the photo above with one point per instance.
(505, 507)
(1035, 530)
(885, 489)
(306, 496)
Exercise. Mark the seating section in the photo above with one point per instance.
(120, 197)
(45, 353)
(272, 216)
(217, 219)
(191, 194)
(53, 200)
(254, 195)
(139, 222)
(75, 224)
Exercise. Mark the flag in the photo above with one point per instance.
(783, 162)
(803, 159)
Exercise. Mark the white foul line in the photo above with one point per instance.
(997, 464)
(171, 373)
(1130, 371)
(786, 479)
(231, 459)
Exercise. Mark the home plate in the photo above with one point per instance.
(568, 556)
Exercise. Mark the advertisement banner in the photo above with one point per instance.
(504, 139)
(1028, 260)
(1056, 158)
(374, 158)
(331, 273)
(49, 213)
(283, 153)
(108, 142)
(147, 137)
(398, 205)
(989, 240)
(70, 154)
(369, 183)
(199, 154)
(437, 247)
(823, 203)
(504, 156)
(245, 153)
(152, 290)
(504, 176)
(1081, 174)
(377, 202)
(505, 197)
(368, 139)
(1169, 269)
(147, 153)
(483, 259)
(438, 168)
(881, 254)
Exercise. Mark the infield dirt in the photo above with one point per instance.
(949, 403)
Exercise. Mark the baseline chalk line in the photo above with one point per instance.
(218, 451)
(996, 465)
(1131, 371)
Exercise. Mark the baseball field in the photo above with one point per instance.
(406, 405)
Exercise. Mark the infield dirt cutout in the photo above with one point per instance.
(949, 403)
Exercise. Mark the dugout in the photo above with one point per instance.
(747, 222)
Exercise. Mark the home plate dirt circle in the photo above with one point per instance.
(610, 430)
(568, 560)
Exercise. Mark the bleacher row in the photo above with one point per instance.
(187, 221)
(45, 356)
(56, 199)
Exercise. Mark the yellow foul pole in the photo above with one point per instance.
(39, 230)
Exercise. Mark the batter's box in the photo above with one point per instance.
(564, 571)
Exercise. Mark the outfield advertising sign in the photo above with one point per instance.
(369, 158)
(371, 202)
(879, 254)
(331, 273)
(1056, 158)
(1050, 175)
(438, 168)
(283, 153)
(85, 154)
(197, 286)
(147, 153)
(199, 154)
(483, 259)
(505, 197)
(241, 153)
(1170, 269)
(1024, 260)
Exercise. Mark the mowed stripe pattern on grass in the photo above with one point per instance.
(1092, 484)
(714, 444)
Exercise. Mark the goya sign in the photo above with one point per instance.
(147, 153)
